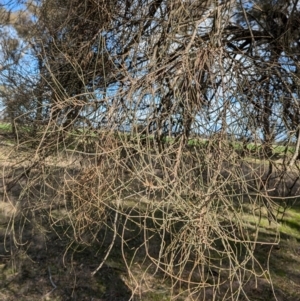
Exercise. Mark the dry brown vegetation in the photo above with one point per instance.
(141, 160)
(134, 222)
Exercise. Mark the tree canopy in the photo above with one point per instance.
(179, 67)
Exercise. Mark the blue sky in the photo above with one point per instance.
(12, 5)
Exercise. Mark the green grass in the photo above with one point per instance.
(280, 149)
(5, 127)
(81, 134)
(156, 296)
(290, 224)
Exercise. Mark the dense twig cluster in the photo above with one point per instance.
(157, 121)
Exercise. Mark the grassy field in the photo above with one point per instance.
(84, 139)
(43, 270)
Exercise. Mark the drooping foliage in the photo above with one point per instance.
(174, 106)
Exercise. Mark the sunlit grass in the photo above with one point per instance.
(5, 127)
(291, 223)
(90, 134)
